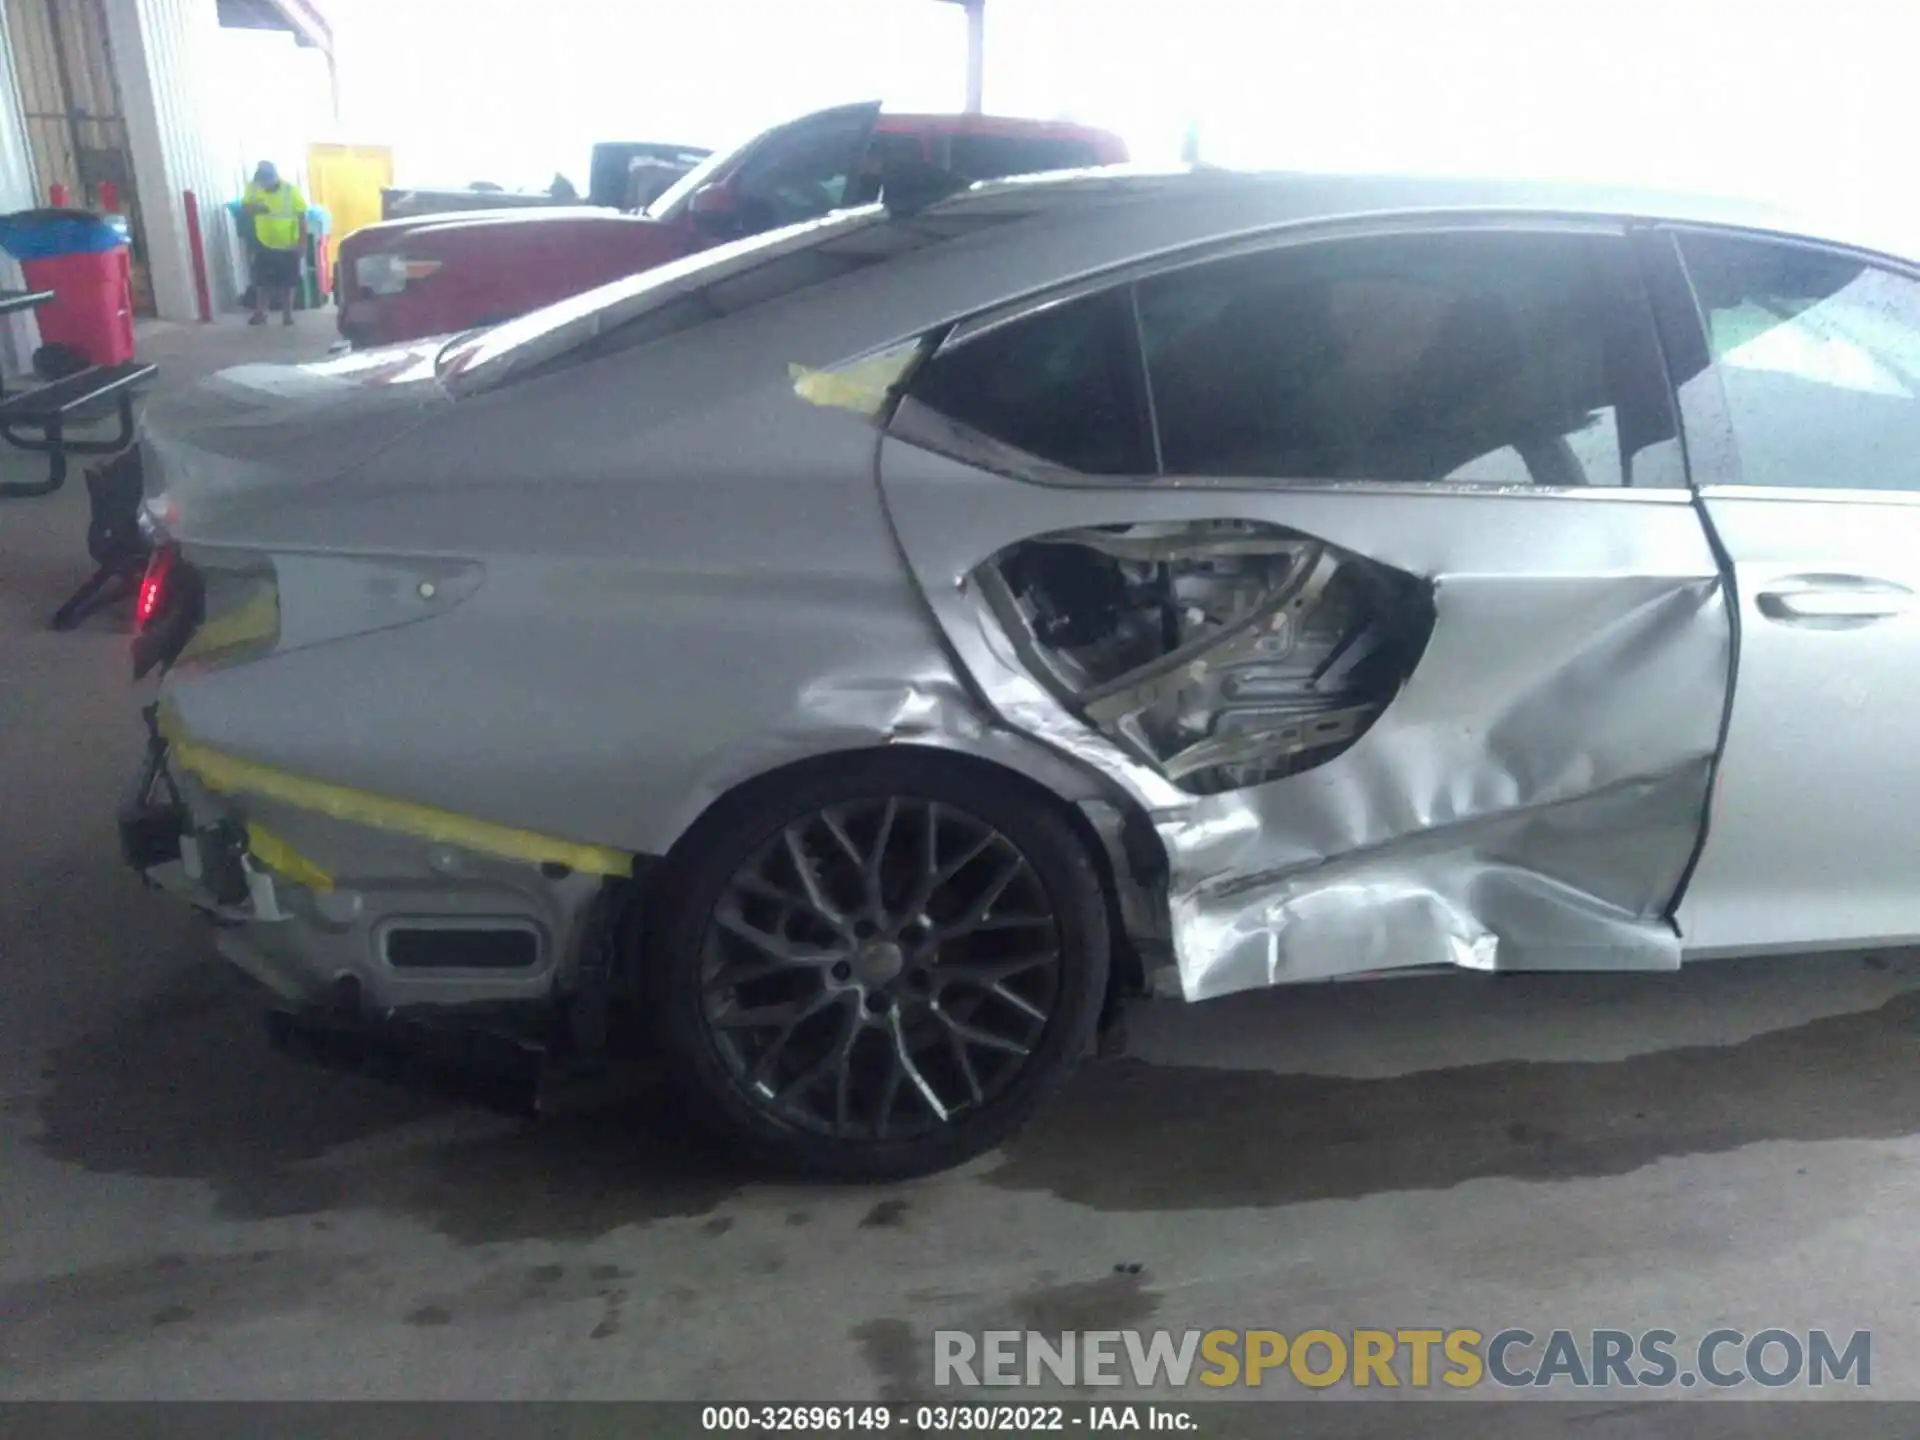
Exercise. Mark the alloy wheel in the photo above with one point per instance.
(880, 968)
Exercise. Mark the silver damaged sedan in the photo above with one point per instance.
(851, 662)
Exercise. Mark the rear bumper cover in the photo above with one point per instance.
(520, 1044)
(310, 904)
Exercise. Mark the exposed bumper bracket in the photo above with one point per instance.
(154, 820)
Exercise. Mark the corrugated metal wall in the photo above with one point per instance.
(114, 90)
(76, 122)
(117, 90)
(65, 75)
(17, 188)
(162, 51)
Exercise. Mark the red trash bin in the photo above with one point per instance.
(92, 308)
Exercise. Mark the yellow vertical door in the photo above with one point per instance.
(346, 181)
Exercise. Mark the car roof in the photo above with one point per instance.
(1045, 232)
(1261, 199)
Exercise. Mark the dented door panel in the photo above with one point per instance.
(1517, 770)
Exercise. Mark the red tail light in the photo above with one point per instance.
(166, 611)
(153, 587)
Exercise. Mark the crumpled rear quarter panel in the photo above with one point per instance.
(1532, 796)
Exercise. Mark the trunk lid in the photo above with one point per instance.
(254, 430)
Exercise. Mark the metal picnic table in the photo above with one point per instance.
(12, 302)
(46, 411)
(113, 534)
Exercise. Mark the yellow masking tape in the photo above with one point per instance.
(227, 774)
(281, 858)
(861, 387)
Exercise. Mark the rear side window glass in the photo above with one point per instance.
(1063, 384)
(1818, 355)
(886, 149)
(990, 157)
(797, 174)
(885, 152)
(1463, 356)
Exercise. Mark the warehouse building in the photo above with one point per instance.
(116, 102)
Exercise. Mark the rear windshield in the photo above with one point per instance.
(691, 291)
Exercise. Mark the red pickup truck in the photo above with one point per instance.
(434, 275)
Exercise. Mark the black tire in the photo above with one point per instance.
(679, 936)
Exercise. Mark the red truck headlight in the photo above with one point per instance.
(389, 274)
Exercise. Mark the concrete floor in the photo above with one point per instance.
(188, 1215)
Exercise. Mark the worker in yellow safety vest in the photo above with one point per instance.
(277, 212)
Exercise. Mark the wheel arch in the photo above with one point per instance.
(1119, 836)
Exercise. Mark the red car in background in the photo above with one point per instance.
(435, 275)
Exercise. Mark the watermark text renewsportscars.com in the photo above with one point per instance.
(1772, 1357)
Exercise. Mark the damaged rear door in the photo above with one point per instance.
(1364, 562)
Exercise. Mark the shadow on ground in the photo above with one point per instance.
(1136, 1137)
(180, 1082)
(185, 1086)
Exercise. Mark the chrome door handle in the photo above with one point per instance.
(1867, 600)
